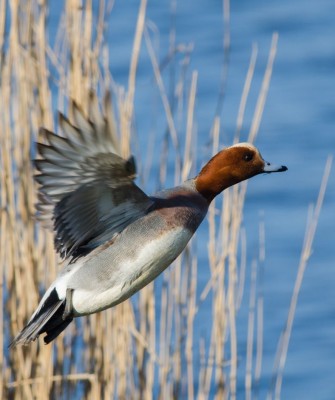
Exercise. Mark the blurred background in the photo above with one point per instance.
(222, 43)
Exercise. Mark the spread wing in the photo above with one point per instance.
(87, 190)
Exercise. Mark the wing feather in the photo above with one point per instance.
(86, 189)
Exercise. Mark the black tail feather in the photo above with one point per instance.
(49, 319)
(54, 332)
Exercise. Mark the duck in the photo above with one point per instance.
(112, 237)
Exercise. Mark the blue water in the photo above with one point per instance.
(297, 129)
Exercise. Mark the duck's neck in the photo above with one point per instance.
(209, 184)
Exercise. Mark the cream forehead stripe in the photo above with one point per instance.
(244, 144)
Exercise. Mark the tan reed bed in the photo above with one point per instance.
(134, 350)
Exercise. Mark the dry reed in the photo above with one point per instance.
(141, 349)
(284, 340)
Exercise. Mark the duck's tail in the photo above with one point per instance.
(48, 318)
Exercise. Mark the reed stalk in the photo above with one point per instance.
(148, 347)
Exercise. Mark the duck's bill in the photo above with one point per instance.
(268, 168)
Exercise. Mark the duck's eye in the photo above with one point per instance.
(248, 157)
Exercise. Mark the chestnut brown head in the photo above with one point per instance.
(230, 166)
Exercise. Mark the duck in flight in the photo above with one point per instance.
(114, 239)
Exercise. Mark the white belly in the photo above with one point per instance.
(111, 280)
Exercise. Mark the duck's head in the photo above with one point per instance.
(230, 166)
